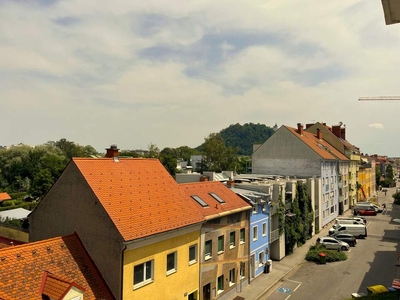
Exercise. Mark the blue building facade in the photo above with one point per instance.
(260, 229)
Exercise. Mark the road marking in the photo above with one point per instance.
(284, 290)
(287, 297)
(294, 281)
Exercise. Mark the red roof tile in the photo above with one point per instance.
(232, 201)
(320, 146)
(55, 287)
(139, 195)
(22, 267)
(4, 196)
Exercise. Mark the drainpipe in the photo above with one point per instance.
(122, 272)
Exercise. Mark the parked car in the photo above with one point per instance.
(361, 220)
(333, 244)
(345, 237)
(372, 204)
(366, 212)
(357, 230)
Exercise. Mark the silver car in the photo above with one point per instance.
(331, 243)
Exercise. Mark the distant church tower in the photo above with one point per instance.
(275, 128)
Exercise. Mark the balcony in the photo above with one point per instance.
(340, 183)
(274, 235)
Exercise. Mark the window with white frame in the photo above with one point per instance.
(260, 259)
(264, 229)
(242, 235)
(255, 233)
(171, 263)
(192, 254)
(208, 249)
(220, 284)
(232, 239)
(232, 277)
(143, 274)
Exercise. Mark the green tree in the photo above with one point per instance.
(154, 151)
(168, 157)
(216, 156)
(378, 176)
(42, 182)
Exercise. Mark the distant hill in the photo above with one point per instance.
(244, 136)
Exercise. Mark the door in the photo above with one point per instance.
(207, 292)
(252, 266)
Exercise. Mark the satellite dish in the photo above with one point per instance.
(340, 123)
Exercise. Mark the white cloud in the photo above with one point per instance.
(167, 72)
(376, 126)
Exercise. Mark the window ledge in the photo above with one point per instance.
(192, 262)
(171, 272)
(220, 252)
(241, 242)
(143, 283)
(231, 284)
(220, 291)
(231, 246)
(207, 257)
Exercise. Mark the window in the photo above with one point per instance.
(255, 208)
(220, 284)
(260, 259)
(171, 263)
(242, 236)
(231, 277)
(208, 249)
(255, 233)
(242, 269)
(192, 254)
(220, 244)
(218, 198)
(264, 229)
(199, 201)
(143, 274)
(332, 209)
(232, 239)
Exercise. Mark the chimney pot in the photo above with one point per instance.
(300, 128)
(319, 134)
(112, 151)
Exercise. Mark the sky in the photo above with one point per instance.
(169, 73)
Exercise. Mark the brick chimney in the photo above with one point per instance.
(319, 134)
(112, 151)
(300, 128)
(343, 132)
(336, 130)
(230, 183)
(309, 125)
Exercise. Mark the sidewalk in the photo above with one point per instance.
(264, 282)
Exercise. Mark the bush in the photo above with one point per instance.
(396, 197)
(331, 255)
(8, 203)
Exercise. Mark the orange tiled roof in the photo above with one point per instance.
(22, 267)
(139, 195)
(321, 147)
(203, 189)
(55, 287)
(4, 196)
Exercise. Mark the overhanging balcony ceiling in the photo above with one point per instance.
(391, 10)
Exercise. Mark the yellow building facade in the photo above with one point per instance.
(163, 266)
(365, 180)
(353, 170)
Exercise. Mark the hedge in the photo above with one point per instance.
(331, 255)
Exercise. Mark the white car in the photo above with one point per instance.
(331, 243)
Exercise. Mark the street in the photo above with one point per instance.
(371, 262)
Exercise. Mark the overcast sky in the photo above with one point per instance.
(170, 73)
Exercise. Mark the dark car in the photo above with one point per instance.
(345, 237)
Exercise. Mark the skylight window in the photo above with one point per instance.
(199, 201)
(216, 197)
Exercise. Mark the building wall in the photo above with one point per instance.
(353, 182)
(285, 154)
(175, 285)
(259, 245)
(330, 192)
(232, 258)
(71, 206)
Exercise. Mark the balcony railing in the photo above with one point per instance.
(274, 235)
